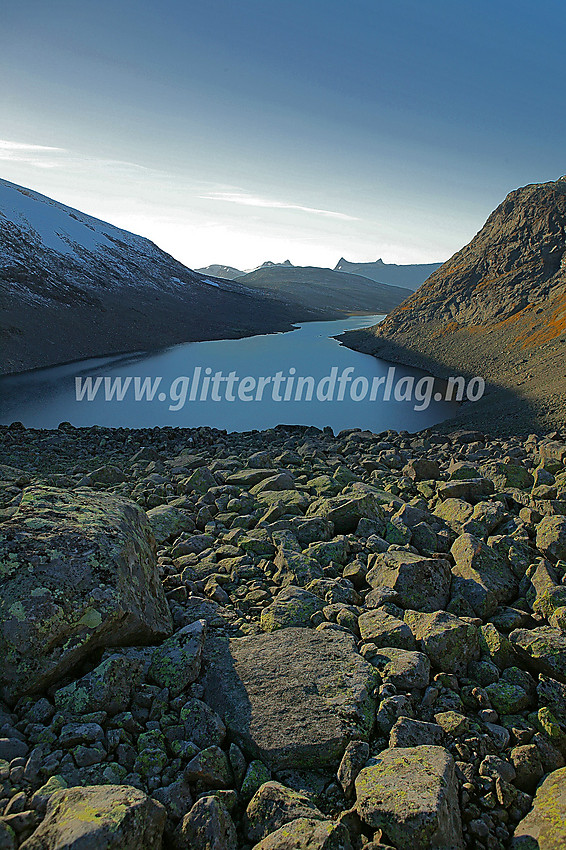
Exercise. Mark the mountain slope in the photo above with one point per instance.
(73, 286)
(310, 285)
(407, 276)
(497, 308)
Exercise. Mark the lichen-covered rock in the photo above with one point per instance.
(274, 805)
(293, 606)
(307, 833)
(544, 828)
(346, 511)
(168, 522)
(176, 663)
(106, 688)
(449, 643)
(78, 571)
(256, 775)
(208, 826)
(551, 536)
(383, 630)
(202, 725)
(403, 668)
(412, 794)
(497, 646)
(407, 732)
(353, 760)
(422, 584)
(292, 698)
(542, 649)
(210, 766)
(109, 817)
(480, 575)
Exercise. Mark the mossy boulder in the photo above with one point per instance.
(383, 630)
(109, 817)
(77, 571)
(309, 833)
(480, 575)
(551, 537)
(176, 663)
(346, 511)
(106, 688)
(449, 643)
(274, 805)
(542, 650)
(168, 522)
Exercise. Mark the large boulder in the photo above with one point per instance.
(78, 571)
(293, 606)
(105, 817)
(542, 650)
(274, 805)
(545, 825)
(293, 697)
(551, 536)
(420, 583)
(346, 511)
(307, 833)
(449, 642)
(412, 795)
(480, 575)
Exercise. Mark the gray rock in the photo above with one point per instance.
(108, 817)
(210, 766)
(422, 584)
(407, 732)
(176, 663)
(405, 669)
(202, 725)
(106, 688)
(449, 643)
(82, 574)
(346, 511)
(551, 537)
(542, 650)
(293, 606)
(545, 825)
(168, 522)
(480, 575)
(208, 826)
(307, 833)
(412, 794)
(353, 760)
(274, 805)
(384, 630)
(292, 698)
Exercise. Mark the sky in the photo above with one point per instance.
(239, 132)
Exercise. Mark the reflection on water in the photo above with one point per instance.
(238, 385)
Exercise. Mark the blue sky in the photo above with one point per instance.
(239, 132)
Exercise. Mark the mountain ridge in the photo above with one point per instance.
(73, 286)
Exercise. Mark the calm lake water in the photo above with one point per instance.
(300, 377)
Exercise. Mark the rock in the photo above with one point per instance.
(497, 646)
(106, 688)
(201, 724)
(353, 760)
(11, 748)
(551, 537)
(292, 698)
(469, 490)
(422, 584)
(412, 794)
(168, 522)
(201, 480)
(553, 694)
(176, 663)
(208, 826)
(82, 574)
(422, 469)
(346, 511)
(274, 805)
(528, 766)
(407, 732)
(454, 512)
(307, 833)
(176, 798)
(256, 775)
(293, 606)
(545, 825)
(480, 576)
(543, 650)
(449, 643)
(383, 630)
(402, 668)
(507, 698)
(295, 568)
(8, 840)
(210, 766)
(281, 481)
(109, 817)
(249, 477)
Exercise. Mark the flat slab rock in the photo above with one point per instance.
(293, 698)
(77, 571)
(411, 793)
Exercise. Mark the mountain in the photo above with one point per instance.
(225, 272)
(73, 286)
(409, 277)
(310, 285)
(496, 309)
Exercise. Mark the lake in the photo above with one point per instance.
(301, 377)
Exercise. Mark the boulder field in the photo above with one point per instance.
(281, 640)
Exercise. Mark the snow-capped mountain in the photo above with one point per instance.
(73, 286)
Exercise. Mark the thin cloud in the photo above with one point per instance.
(247, 200)
(40, 156)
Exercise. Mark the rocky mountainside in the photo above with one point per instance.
(73, 286)
(311, 285)
(282, 639)
(407, 276)
(497, 308)
(216, 270)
